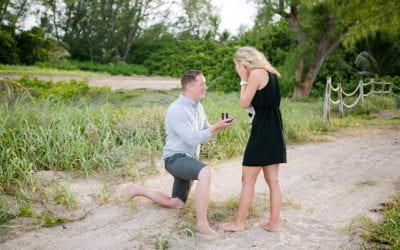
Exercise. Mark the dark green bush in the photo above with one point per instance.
(214, 59)
(8, 48)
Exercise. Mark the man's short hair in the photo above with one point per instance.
(189, 76)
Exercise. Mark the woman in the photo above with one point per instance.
(266, 148)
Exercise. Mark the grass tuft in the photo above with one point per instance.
(386, 232)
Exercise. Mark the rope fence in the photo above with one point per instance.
(375, 87)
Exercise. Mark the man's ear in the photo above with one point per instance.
(189, 86)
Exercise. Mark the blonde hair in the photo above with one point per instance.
(254, 59)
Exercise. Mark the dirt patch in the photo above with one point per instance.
(327, 186)
(114, 82)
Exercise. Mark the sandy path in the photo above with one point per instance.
(326, 186)
(114, 82)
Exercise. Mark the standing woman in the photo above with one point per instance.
(266, 145)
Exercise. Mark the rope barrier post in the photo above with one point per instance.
(340, 100)
(361, 90)
(327, 99)
(372, 86)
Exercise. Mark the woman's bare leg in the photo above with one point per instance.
(271, 176)
(249, 177)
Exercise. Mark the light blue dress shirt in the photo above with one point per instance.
(186, 128)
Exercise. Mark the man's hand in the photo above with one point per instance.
(221, 124)
(226, 123)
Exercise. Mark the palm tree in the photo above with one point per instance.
(367, 65)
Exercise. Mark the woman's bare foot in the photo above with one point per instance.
(133, 190)
(269, 227)
(205, 230)
(231, 227)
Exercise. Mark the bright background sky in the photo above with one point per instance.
(235, 13)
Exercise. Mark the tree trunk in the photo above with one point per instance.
(304, 89)
(3, 10)
(138, 13)
(324, 49)
(54, 9)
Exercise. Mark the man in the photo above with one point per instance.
(186, 129)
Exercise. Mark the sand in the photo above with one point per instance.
(327, 187)
(114, 82)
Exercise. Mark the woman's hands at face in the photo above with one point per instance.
(242, 71)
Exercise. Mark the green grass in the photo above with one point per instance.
(62, 195)
(5, 214)
(76, 68)
(119, 68)
(36, 70)
(386, 232)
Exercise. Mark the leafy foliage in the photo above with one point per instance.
(46, 89)
(367, 64)
(369, 17)
(301, 38)
(35, 46)
(321, 26)
(214, 59)
(29, 47)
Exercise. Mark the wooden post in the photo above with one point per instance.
(340, 100)
(361, 90)
(372, 86)
(327, 99)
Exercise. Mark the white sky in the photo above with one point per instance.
(235, 13)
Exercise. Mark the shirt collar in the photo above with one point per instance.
(187, 101)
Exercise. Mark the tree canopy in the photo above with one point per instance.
(302, 38)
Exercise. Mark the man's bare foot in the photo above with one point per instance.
(269, 227)
(231, 227)
(133, 190)
(206, 230)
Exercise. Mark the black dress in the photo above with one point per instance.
(266, 144)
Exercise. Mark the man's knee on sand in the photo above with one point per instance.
(177, 203)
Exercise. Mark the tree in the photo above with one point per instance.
(104, 29)
(321, 26)
(199, 19)
(53, 15)
(35, 46)
(367, 64)
(8, 48)
(11, 11)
